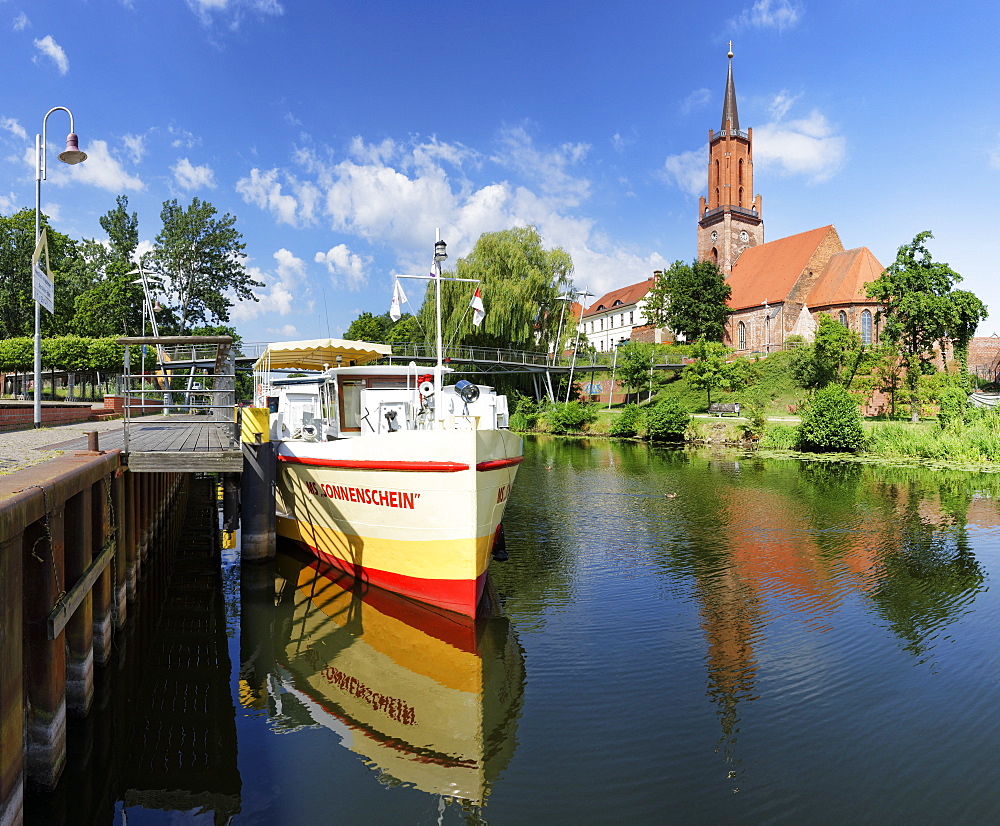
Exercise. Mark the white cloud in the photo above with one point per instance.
(688, 170)
(770, 14)
(263, 190)
(7, 202)
(135, 145)
(234, 10)
(549, 167)
(188, 176)
(15, 128)
(995, 155)
(806, 146)
(21, 22)
(695, 101)
(52, 50)
(348, 268)
(182, 139)
(101, 169)
(283, 289)
(53, 211)
(781, 103)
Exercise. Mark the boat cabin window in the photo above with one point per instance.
(350, 405)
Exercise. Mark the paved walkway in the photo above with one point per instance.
(23, 448)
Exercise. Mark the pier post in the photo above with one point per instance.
(122, 539)
(11, 682)
(257, 486)
(80, 628)
(101, 532)
(44, 581)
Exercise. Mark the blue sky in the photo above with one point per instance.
(341, 134)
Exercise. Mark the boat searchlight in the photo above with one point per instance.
(467, 390)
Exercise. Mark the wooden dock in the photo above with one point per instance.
(178, 443)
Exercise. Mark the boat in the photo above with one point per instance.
(425, 697)
(385, 471)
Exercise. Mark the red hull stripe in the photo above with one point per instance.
(496, 464)
(371, 464)
(461, 596)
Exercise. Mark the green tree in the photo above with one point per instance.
(710, 369)
(831, 422)
(921, 310)
(667, 421)
(17, 243)
(833, 356)
(202, 256)
(368, 327)
(518, 277)
(633, 366)
(690, 299)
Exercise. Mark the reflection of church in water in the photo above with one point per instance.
(779, 287)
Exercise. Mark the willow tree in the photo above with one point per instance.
(520, 282)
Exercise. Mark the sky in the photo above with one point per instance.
(343, 134)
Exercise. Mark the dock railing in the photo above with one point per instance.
(179, 384)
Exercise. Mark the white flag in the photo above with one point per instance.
(478, 312)
(398, 297)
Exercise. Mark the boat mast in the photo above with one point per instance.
(440, 254)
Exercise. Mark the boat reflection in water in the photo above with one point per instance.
(428, 697)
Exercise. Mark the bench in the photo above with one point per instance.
(718, 409)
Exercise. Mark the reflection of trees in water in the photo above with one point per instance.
(928, 575)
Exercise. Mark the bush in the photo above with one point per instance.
(667, 421)
(952, 404)
(570, 417)
(626, 424)
(754, 409)
(526, 413)
(832, 422)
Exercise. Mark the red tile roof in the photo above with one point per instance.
(843, 279)
(768, 272)
(624, 295)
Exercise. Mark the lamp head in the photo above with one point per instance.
(440, 251)
(72, 155)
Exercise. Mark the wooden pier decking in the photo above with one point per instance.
(179, 444)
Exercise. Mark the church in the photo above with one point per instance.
(780, 287)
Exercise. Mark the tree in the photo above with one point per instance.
(518, 279)
(368, 327)
(17, 243)
(633, 366)
(112, 304)
(690, 299)
(710, 369)
(832, 357)
(832, 422)
(202, 256)
(921, 310)
(667, 421)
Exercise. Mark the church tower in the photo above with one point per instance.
(729, 219)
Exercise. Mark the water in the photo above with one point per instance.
(689, 637)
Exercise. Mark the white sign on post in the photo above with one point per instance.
(42, 285)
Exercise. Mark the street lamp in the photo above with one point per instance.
(71, 155)
(564, 299)
(614, 366)
(585, 294)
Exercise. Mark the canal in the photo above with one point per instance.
(688, 637)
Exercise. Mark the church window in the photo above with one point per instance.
(842, 318)
(866, 328)
(741, 333)
(715, 256)
(741, 172)
(740, 202)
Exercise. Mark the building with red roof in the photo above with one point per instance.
(778, 287)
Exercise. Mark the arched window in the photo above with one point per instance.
(741, 172)
(866, 328)
(718, 180)
(842, 318)
(740, 202)
(741, 336)
(715, 256)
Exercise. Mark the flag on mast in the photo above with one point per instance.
(398, 297)
(478, 311)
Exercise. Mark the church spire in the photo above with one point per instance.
(729, 112)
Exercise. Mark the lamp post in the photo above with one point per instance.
(564, 299)
(585, 294)
(71, 155)
(440, 255)
(614, 366)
